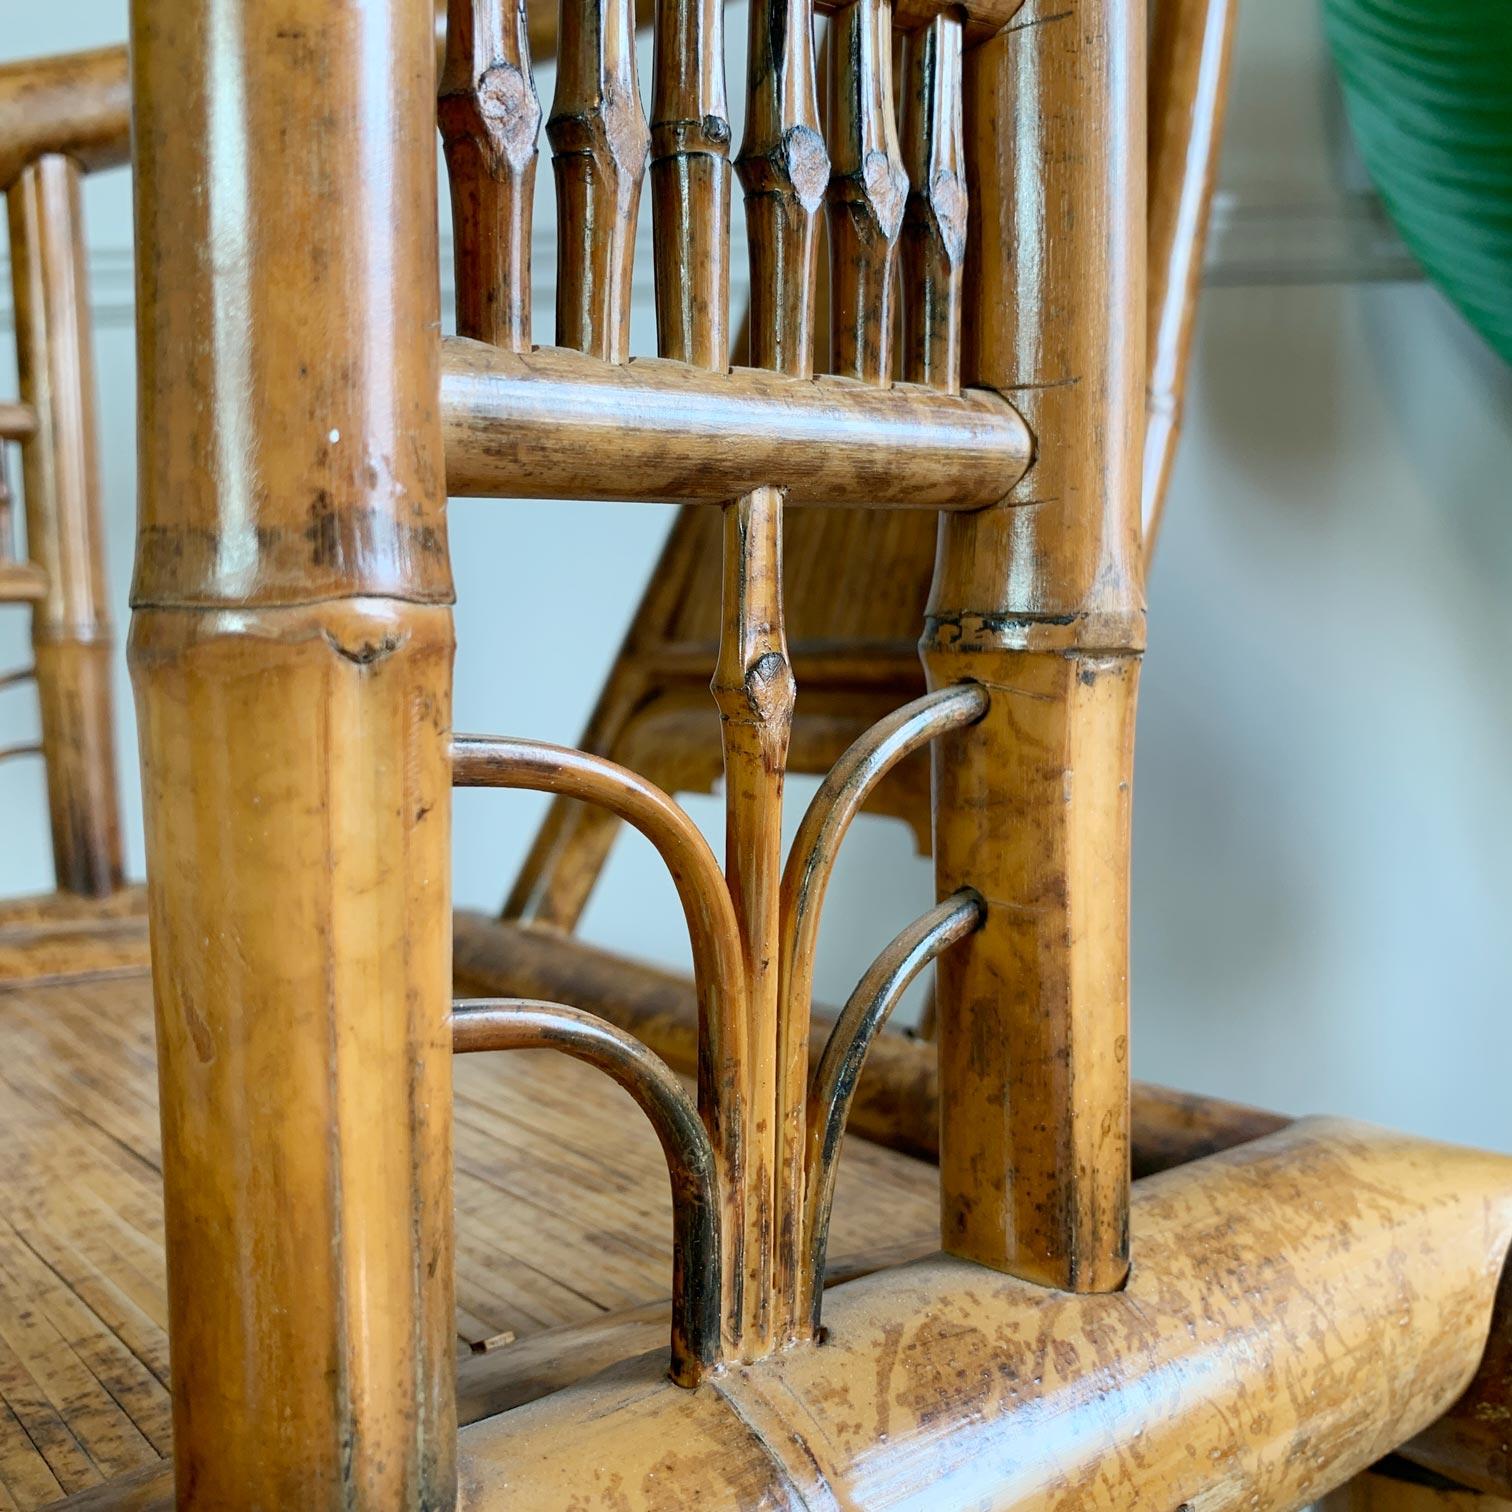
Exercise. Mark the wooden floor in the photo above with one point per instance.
(562, 1215)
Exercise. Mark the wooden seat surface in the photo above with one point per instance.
(562, 1214)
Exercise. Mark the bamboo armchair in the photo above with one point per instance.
(1297, 1305)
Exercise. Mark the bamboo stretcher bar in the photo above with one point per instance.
(553, 424)
(1258, 1356)
(1002, 1395)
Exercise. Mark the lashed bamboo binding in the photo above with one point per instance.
(298, 816)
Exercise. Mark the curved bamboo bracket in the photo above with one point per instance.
(718, 963)
(524, 1024)
(839, 1069)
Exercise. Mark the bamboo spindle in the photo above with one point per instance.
(291, 650)
(690, 184)
(935, 217)
(784, 169)
(490, 119)
(73, 646)
(600, 143)
(867, 191)
(1042, 602)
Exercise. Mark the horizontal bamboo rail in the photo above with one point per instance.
(554, 424)
(1360, 1324)
(1268, 1243)
(17, 421)
(78, 104)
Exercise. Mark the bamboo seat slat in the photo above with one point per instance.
(563, 1213)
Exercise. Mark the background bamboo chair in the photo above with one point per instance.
(296, 742)
(43, 154)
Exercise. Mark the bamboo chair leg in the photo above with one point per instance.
(71, 635)
(1041, 601)
(291, 650)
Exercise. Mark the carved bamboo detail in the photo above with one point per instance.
(490, 119)
(690, 184)
(867, 191)
(784, 170)
(753, 687)
(600, 144)
(934, 220)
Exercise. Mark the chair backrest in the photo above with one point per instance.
(59, 119)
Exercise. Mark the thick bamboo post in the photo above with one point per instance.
(291, 649)
(71, 634)
(1041, 602)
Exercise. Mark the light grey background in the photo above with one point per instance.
(1323, 813)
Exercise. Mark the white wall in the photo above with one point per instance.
(1323, 819)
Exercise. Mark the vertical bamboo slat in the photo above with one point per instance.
(934, 219)
(1042, 602)
(753, 687)
(784, 170)
(867, 191)
(71, 634)
(291, 650)
(490, 119)
(600, 144)
(690, 184)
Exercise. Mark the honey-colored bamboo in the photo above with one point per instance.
(696, 1312)
(833, 1083)
(291, 651)
(784, 169)
(753, 688)
(714, 933)
(554, 424)
(1360, 1323)
(867, 191)
(72, 641)
(1190, 51)
(76, 106)
(935, 216)
(490, 120)
(690, 184)
(600, 143)
(1043, 606)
